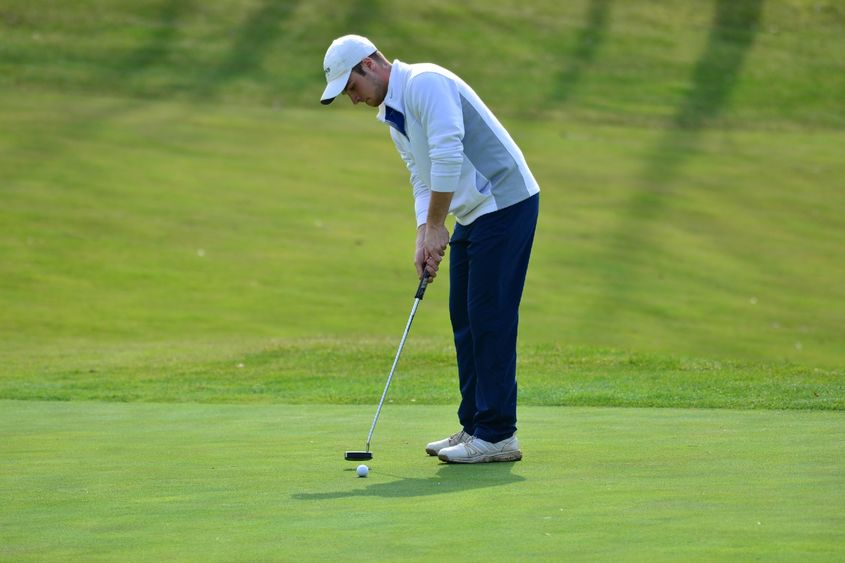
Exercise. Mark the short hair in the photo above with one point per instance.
(376, 56)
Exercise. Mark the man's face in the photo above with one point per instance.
(369, 87)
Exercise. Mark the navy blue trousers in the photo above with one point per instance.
(488, 261)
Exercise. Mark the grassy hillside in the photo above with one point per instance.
(128, 221)
(749, 62)
(174, 200)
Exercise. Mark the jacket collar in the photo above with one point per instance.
(392, 110)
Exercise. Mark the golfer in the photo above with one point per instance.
(462, 161)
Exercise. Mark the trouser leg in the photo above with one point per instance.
(493, 261)
(458, 284)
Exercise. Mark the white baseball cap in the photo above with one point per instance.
(344, 53)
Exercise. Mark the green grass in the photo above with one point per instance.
(171, 482)
(204, 276)
(781, 62)
(142, 222)
(353, 372)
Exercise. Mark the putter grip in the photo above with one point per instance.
(423, 285)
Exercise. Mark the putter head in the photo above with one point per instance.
(358, 456)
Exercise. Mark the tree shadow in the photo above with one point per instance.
(589, 39)
(734, 28)
(249, 47)
(362, 14)
(121, 70)
(250, 43)
(714, 77)
(448, 479)
(161, 41)
(154, 50)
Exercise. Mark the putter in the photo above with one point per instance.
(367, 454)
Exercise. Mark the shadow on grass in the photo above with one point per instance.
(589, 39)
(448, 479)
(87, 122)
(361, 16)
(250, 46)
(161, 41)
(714, 77)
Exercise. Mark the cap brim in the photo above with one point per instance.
(334, 88)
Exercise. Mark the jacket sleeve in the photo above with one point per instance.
(435, 99)
(422, 195)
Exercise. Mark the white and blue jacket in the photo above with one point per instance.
(451, 142)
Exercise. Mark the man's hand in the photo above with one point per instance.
(433, 237)
(434, 245)
(431, 248)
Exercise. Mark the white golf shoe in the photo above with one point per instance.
(476, 450)
(457, 438)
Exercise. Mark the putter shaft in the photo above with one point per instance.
(418, 298)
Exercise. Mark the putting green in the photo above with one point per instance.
(87, 480)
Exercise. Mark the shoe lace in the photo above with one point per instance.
(458, 437)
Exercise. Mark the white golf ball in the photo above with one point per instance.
(362, 470)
